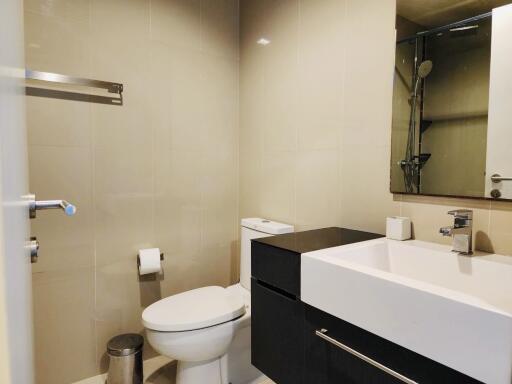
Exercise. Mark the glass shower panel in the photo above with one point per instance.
(455, 110)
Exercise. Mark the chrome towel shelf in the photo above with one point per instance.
(71, 80)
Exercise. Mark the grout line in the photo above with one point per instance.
(236, 234)
(341, 133)
(153, 177)
(298, 101)
(92, 148)
(489, 221)
(55, 146)
(201, 29)
(153, 135)
(150, 20)
(60, 18)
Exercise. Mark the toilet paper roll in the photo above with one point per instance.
(149, 261)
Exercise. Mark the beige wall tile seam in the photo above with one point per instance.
(57, 146)
(342, 101)
(92, 150)
(343, 112)
(153, 163)
(202, 217)
(491, 214)
(201, 26)
(237, 217)
(296, 132)
(489, 211)
(55, 17)
(95, 234)
(151, 20)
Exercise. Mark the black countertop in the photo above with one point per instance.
(308, 241)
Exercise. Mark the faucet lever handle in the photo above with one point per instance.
(466, 214)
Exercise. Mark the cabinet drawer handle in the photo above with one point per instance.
(323, 334)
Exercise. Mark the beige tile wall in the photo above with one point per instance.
(291, 108)
(315, 131)
(160, 171)
(171, 168)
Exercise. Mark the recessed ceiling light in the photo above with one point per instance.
(263, 41)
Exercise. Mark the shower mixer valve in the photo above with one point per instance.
(35, 205)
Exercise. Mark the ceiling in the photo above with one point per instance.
(434, 13)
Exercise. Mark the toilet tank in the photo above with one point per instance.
(254, 228)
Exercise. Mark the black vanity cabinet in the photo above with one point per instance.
(277, 325)
(277, 315)
(327, 362)
(294, 343)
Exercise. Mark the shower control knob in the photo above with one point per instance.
(35, 205)
(33, 248)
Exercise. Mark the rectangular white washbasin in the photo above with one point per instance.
(456, 310)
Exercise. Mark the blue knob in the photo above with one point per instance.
(70, 209)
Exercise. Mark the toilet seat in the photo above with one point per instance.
(195, 309)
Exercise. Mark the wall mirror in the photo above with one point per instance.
(452, 99)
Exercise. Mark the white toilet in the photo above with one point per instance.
(208, 330)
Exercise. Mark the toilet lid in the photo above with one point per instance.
(195, 309)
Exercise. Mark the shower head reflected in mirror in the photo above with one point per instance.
(412, 163)
(425, 68)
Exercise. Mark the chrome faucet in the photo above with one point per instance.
(462, 231)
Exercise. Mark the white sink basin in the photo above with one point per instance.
(456, 310)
